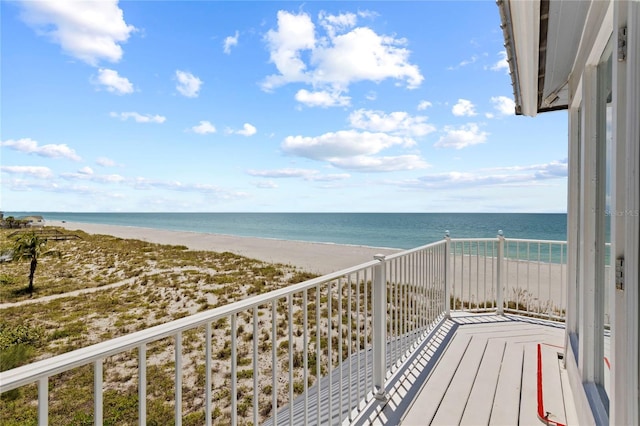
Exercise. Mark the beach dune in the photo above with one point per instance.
(320, 258)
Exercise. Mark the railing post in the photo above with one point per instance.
(499, 268)
(379, 327)
(447, 275)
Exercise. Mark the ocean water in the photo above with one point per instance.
(394, 230)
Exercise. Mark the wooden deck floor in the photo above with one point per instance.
(483, 370)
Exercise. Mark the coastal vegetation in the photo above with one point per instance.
(30, 246)
(102, 287)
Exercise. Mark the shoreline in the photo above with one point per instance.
(315, 257)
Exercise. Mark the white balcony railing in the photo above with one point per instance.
(315, 352)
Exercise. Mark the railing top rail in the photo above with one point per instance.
(464, 240)
(413, 250)
(506, 239)
(526, 240)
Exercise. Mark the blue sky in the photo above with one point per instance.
(268, 106)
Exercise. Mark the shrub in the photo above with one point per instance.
(21, 334)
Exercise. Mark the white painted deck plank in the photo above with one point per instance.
(478, 409)
(529, 391)
(552, 399)
(504, 389)
(506, 404)
(425, 407)
(454, 401)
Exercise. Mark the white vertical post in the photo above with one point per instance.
(178, 379)
(379, 327)
(234, 371)
(207, 376)
(499, 267)
(97, 392)
(447, 275)
(43, 401)
(142, 384)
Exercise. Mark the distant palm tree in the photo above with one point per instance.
(30, 246)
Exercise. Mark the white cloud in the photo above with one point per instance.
(501, 176)
(329, 178)
(337, 23)
(105, 162)
(188, 84)
(87, 30)
(88, 175)
(139, 118)
(464, 107)
(282, 173)
(464, 63)
(550, 170)
(424, 105)
(229, 42)
(361, 54)
(204, 128)
(30, 146)
(399, 122)
(381, 164)
(341, 144)
(112, 81)
(39, 172)
(502, 64)
(461, 137)
(269, 184)
(338, 59)
(504, 105)
(295, 33)
(306, 174)
(247, 130)
(322, 98)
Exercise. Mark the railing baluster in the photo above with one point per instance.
(234, 370)
(97, 391)
(379, 327)
(350, 344)
(396, 309)
(274, 361)
(448, 282)
(340, 347)
(256, 372)
(207, 375)
(358, 330)
(43, 401)
(529, 276)
(318, 356)
(178, 379)
(142, 384)
(366, 332)
(329, 354)
(549, 283)
(499, 260)
(291, 354)
(539, 262)
(305, 354)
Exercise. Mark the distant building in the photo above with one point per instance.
(32, 221)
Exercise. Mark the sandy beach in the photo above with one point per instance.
(320, 258)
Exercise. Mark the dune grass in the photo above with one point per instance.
(152, 284)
